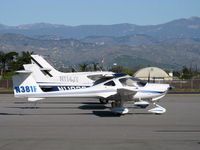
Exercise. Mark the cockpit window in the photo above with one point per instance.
(132, 82)
(141, 83)
(127, 82)
(101, 81)
(110, 83)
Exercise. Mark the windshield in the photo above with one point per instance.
(132, 82)
(101, 81)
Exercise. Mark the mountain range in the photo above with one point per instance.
(170, 45)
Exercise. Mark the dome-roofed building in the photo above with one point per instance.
(153, 73)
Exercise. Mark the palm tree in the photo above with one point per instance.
(83, 67)
(25, 58)
(5, 59)
(96, 66)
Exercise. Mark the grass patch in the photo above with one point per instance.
(4, 90)
(8, 75)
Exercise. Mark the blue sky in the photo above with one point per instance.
(87, 12)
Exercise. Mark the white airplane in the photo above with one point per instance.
(65, 81)
(118, 89)
(73, 77)
(49, 79)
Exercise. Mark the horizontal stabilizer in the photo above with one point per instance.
(24, 71)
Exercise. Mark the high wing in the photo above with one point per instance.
(105, 75)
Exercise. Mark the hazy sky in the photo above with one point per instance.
(79, 12)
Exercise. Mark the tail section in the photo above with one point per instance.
(24, 85)
(44, 65)
(37, 74)
(40, 61)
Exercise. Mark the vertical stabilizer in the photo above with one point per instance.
(43, 64)
(38, 75)
(24, 85)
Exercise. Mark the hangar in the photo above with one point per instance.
(153, 73)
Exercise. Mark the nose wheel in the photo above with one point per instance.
(158, 109)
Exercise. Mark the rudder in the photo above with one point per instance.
(24, 85)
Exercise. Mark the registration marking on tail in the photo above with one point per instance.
(23, 89)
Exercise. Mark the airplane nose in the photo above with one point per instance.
(171, 87)
(167, 87)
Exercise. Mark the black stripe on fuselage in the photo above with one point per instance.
(61, 88)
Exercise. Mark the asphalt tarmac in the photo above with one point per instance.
(84, 124)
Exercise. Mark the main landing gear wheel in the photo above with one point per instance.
(118, 109)
(103, 101)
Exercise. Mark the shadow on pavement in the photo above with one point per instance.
(92, 107)
(105, 114)
(39, 114)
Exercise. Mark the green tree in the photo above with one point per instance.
(128, 71)
(24, 58)
(83, 67)
(177, 74)
(186, 73)
(95, 67)
(5, 59)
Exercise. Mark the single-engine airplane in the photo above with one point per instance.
(118, 88)
(51, 79)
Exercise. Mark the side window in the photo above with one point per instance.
(110, 83)
(127, 82)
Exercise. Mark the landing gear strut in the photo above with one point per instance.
(103, 101)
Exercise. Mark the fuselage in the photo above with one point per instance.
(104, 88)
